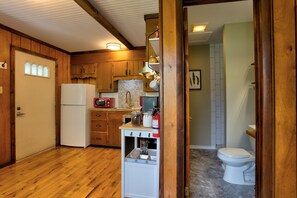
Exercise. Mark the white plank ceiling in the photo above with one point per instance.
(64, 24)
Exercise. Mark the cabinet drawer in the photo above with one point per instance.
(98, 115)
(98, 138)
(99, 125)
(117, 115)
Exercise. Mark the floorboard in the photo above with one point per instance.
(65, 172)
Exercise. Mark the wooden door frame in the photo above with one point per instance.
(173, 128)
(13, 49)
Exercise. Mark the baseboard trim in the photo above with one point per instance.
(202, 147)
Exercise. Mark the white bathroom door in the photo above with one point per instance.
(34, 104)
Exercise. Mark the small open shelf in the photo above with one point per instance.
(134, 156)
(155, 45)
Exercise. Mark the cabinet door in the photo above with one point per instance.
(120, 68)
(75, 71)
(114, 133)
(104, 78)
(134, 67)
(89, 70)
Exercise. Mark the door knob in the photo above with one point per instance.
(20, 114)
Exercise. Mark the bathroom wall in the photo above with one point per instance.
(217, 83)
(238, 43)
(200, 101)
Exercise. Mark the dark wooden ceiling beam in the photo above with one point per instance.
(201, 2)
(93, 12)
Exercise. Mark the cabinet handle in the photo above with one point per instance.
(129, 72)
(110, 86)
(149, 135)
(126, 72)
(98, 125)
(131, 133)
(98, 115)
(139, 134)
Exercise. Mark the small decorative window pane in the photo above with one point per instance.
(34, 70)
(27, 68)
(45, 71)
(39, 70)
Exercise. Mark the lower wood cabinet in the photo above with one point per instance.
(105, 127)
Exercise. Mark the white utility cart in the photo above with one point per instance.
(140, 177)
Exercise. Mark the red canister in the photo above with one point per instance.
(156, 121)
(156, 124)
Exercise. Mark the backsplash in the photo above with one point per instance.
(136, 89)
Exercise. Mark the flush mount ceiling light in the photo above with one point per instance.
(199, 28)
(113, 46)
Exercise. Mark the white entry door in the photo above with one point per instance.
(34, 104)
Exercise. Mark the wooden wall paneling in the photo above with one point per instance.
(285, 98)
(110, 56)
(15, 40)
(5, 136)
(35, 47)
(172, 102)
(25, 43)
(52, 52)
(59, 81)
(66, 68)
(45, 50)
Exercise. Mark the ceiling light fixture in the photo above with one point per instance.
(113, 46)
(199, 28)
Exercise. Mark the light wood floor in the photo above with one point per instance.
(65, 172)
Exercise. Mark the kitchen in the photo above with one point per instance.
(63, 61)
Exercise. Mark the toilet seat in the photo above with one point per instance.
(234, 153)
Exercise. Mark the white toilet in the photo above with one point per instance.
(239, 165)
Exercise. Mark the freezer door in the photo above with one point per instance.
(74, 126)
(73, 94)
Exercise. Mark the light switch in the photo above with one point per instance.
(1, 89)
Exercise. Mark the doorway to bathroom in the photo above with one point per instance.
(224, 105)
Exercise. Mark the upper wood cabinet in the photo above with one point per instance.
(105, 81)
(134, 67)
(83, 71)
(127, 68)
(120, 68)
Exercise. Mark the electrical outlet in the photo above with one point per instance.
(3, 65)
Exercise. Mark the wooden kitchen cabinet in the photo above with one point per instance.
(105, 127)
(98, 128)
(105, 81)
(120, 68)
(114, 133)
(134, 67)
(124, 69)
(83, 71)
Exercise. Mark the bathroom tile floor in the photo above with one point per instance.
(207, 181)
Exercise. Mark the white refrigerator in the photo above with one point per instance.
(76, 99)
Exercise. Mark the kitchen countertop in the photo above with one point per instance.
(111, 109)
(132, 127)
